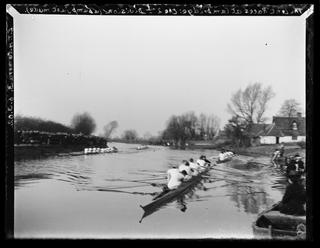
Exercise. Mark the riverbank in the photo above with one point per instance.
(267, 150)
(27, 152)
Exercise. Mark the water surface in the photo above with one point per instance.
(99, 196)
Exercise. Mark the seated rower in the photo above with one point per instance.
(175, 179)
(194, 166)
(222, 155)
(185, 166)
(294, 199)
(203, 162)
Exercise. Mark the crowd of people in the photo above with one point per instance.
(46, 138)
(294, 199)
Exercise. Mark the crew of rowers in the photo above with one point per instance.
(184, 172)
(225, 155)
(95, 150)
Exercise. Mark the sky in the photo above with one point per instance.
(140, 70)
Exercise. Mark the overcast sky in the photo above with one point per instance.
(140, 70)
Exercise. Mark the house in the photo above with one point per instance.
(282, 129)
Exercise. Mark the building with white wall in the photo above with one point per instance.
(282, 129)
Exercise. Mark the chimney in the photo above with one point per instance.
(299, 114)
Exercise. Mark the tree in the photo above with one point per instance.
(236, 130)
(38, 124)
(109, 128)
(251, 104)
(187, 126)
(83, 123)
(212, 126)
(130, 135)
(290, 108)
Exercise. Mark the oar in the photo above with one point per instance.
(238, 181)
(128, 192)
(135, 186)
(232, 172)
(147, 179)
(251, 193)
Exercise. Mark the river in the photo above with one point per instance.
(99, 196)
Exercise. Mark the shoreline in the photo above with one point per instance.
(29, 152)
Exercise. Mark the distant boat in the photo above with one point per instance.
(94, 150)
(142, 147)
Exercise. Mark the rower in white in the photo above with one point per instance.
(185, 166)
(175, 177)
(194, 166)
(203, 162)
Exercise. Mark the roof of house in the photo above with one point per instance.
(281, 126)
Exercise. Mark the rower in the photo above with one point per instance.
(175, 178)
(203, 162)
(185, 166)
(194, 166)
(222, 155)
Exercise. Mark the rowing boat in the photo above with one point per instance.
(142, 147)
(271, 224)
(184, 188)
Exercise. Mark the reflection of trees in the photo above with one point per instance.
(251, 198)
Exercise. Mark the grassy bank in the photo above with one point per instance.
(26, 152)
(267, 150)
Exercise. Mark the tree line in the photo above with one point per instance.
(247, 107)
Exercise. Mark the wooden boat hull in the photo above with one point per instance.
(272, 224)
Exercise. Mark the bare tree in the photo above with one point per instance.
(251, 104)
(130, 135)
(213, 125)
(109, 128)
(83, 123)
(290, 108)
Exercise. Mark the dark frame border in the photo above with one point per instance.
(164, 10)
